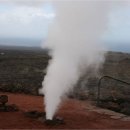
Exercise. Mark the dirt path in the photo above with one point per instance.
(76, 114)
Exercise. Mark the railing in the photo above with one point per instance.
(99, 86)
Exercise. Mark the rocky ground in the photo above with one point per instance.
(77, 115)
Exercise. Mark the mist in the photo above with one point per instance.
(74, 41)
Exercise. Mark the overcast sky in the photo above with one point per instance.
(21, 20)
(30, 19)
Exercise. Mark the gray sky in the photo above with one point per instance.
(30, 19)
(22, 20)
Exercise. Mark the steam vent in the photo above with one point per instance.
(41, 116)
(4, 107)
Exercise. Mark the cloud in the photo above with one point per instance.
(25, 14)
(27, 21)
(34, 3)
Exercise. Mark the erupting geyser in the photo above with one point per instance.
(75, 47)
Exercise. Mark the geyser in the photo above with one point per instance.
(75, 47)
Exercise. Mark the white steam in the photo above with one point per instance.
(74, 40)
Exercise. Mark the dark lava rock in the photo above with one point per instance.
(111, 105)
(41, 116)
(125, 111)
(35, 114)
(12, 108)
(3, 99)
(114, 106)
(55, 121)
(125, 108)
(120, 105)
(8, 108)
(125, 105)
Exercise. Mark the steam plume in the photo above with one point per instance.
(74, 40)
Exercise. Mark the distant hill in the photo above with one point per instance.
(28, 42)
(11, 47)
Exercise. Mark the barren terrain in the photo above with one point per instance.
(76, 114)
